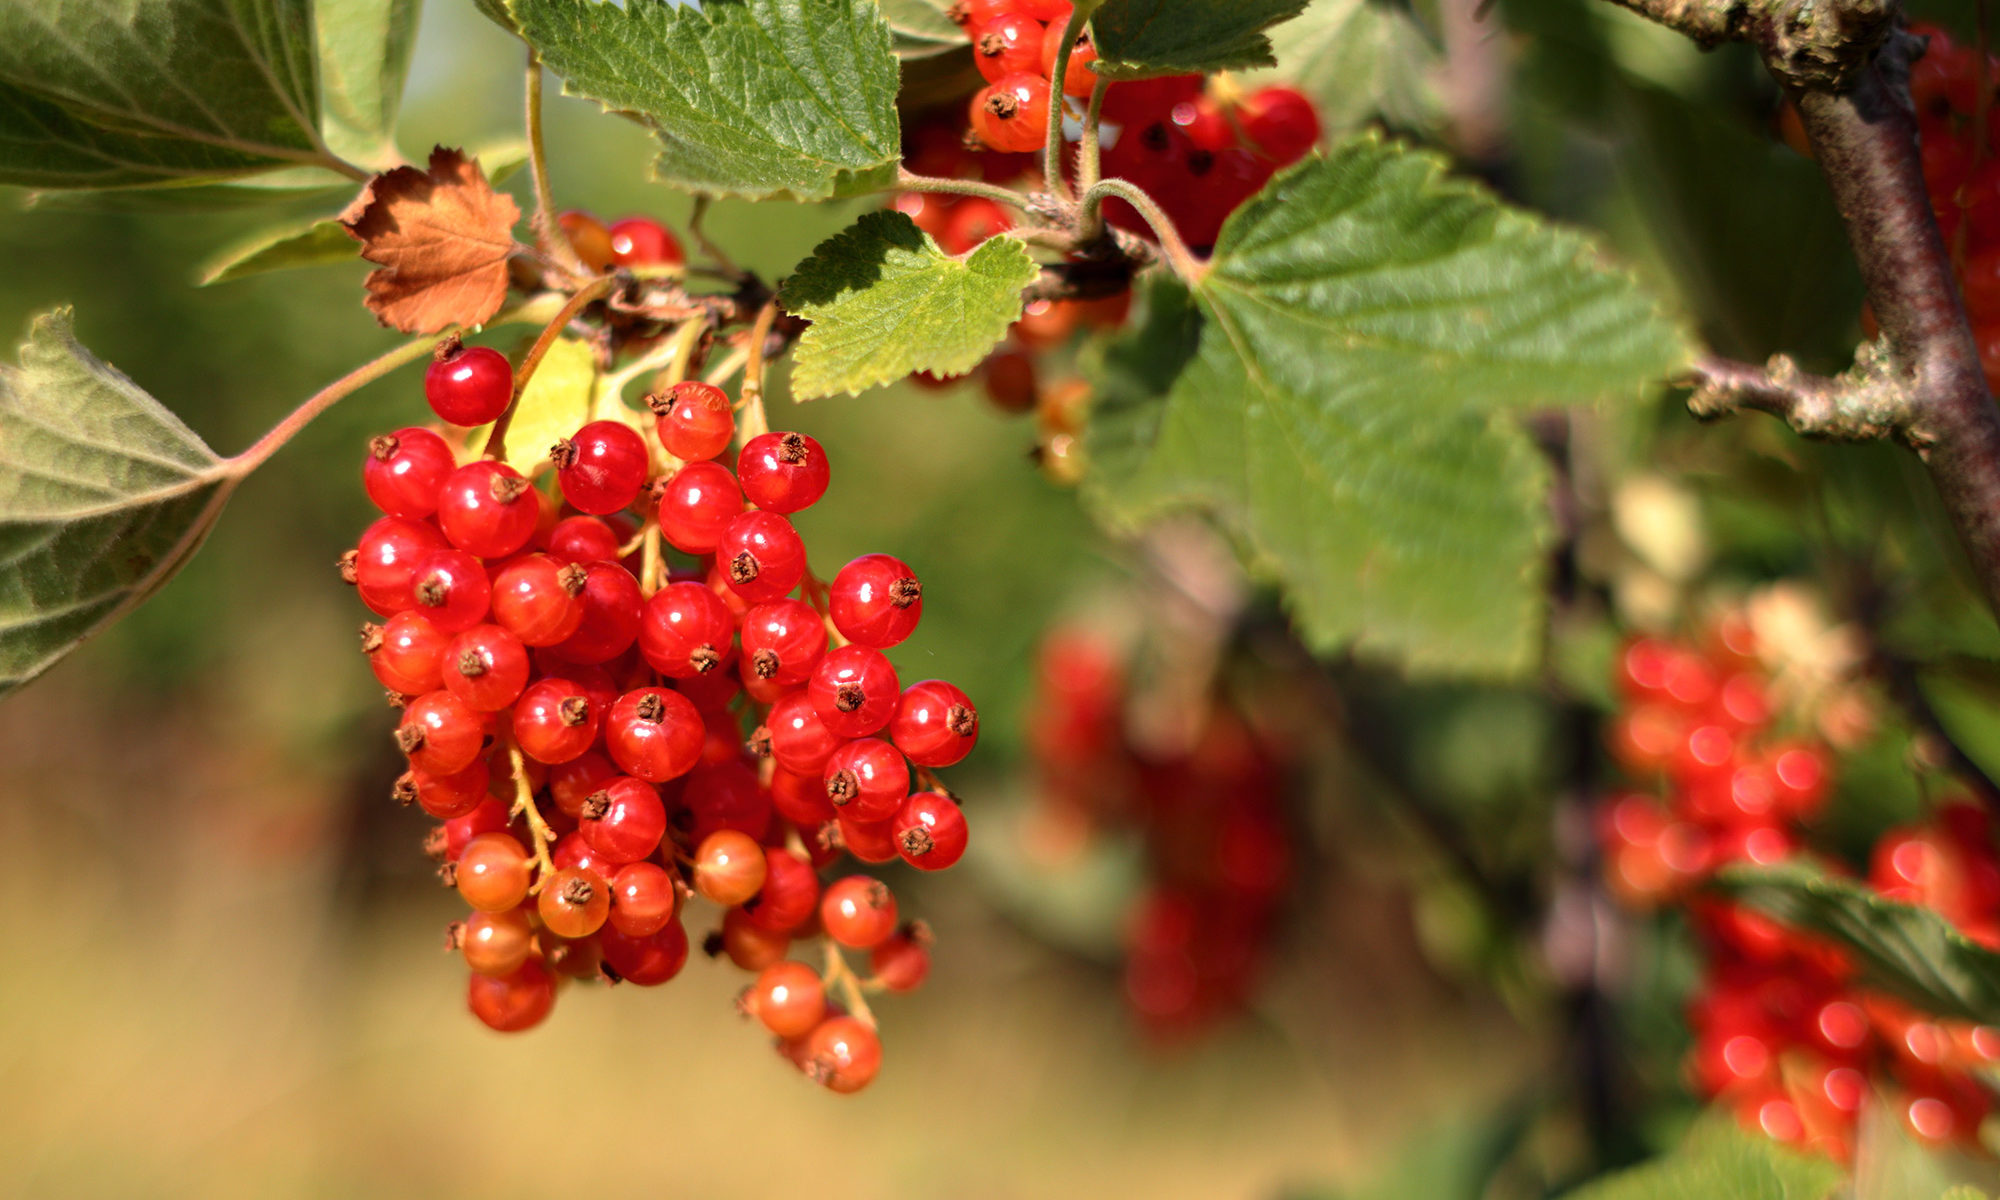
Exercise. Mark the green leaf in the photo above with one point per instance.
(555, 404)
(104, 494)
(884, 301)
(1909, 952)
(97, 93)
(1358, 59)
(1721, 1161)
(496, 12)
(364, 56)
(1141, 38)
(921, 29)
(1366, 337)
(281, 188)
(309, 243)
(753, 98)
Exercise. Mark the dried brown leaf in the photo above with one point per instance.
(442, 238)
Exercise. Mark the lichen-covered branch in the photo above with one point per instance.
(1806, 43)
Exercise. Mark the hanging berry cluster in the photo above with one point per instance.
(1782, 1032)
(601, 735)
(1212, 819)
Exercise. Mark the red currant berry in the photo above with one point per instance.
(800, 798)
(490, 816)
(643, 899)
(583, 540)
(572, 782)
(685, 631)
(841, 1055)
(625, 821)
(468, 385)
(782, 472)
(486, 667)
(1009, 379)
(971, 14)
(728, 867)
(492, 874)
(854, 690)
(581, 958)
(1007, 44)
(488, 509)
(900, 964)
(712, 692)
(512, 1003)
(612, 604)
(867, 780)
(554, 721)
(1281, 123)
(386, 561)
(448, 796)
(782, 642)
(644, 242)
(762, 555)
(935, 724)
(695, 421)
(573, 903)
(1051, 11)
(790, 894)
(930, 831)
(495, 943)
(788, 998)
(655, 734)
(452, 589)
(540, 600)
(1079, 79)
(858, 912)
(602, 468)
(574, 851)
(588, 237)
(750, 948)
(726, 795)
(794, 735)
(440, 733)
(695, 506)
(405, 470)
(870, 842)
(407, 654)
(1012, 114)
(647, 961)
(875, 601)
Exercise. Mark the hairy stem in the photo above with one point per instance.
(1090, 222)
(549, 235)
(912, 182)
(1052, 147)
(1178, 256)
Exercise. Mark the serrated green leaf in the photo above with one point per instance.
(294, 244)
(1137, 39)
(44, 146)
(1909, 952)
(1358, 59)
(104, 494)
(1721, 1161)
(1367, 332)
(921, 28)
(364, 56)
(555, 404)
(884, 302)
(752, 98)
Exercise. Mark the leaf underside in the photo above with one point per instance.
(1136, 39)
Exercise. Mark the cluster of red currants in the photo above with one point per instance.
(601, 735)
(1952, 87)
(1782, 1033)
(1211, 816)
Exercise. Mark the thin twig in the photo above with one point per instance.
(524, 806)
(1052, 176)
(496, 442)
(912, 182)
(1178, 256)
(725, 267)
(549, 235)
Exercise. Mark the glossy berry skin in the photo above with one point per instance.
(440, 734)
(492, 874)
(729, 867)
(469, 385)
(800, 798)
(859, 912)
(1011, 114)
(869, 842)
(782, 641)
(490, 816)
(900, 964)
(654, 734)
(602, 468)
(572, 850)
(935, 724)
(762, 556)
(644, 242)
(643, 899)
(867, 780)
(854, 690)
(1042, 10)
(726, 795)
(624, 821)
(488, 509)
(574, 903)
(1280, 122)
(405, 470)
(648, 961)
(783, 472)
(685, 631)
(799, 740)
(572, 782)
(539, 599)
(587, 236)
(842, 1055)
(694, 420)
(452, 589)
(583, 540)
(1007, 44)
(790, 894)
(496, 943)
(448, 796)
(1079, 79)
(696, 505)
(515, 1002)
(930, 831)
(875, 601)
(386, 561)
(554, 721)
(486, 667)
(407, 654)
(788, 998)
(612, 605)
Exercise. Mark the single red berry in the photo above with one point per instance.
(900, 964)
(644, 242)
(686, 631)
(407, 654)
(1009, 379)
(790, 894)
(492, 874)
(859, 912)
(647, 961)
(573, 850)
(602, 468)
(1006, 44)
(870, 842)
(728, 867)
(788, 998)
(726, 795)
(1280, 122)
(488, 509)
(800, 798)
(971, 14)
(875, 601)
(695, 420)
(440, 733)
(1012, 114)
(762, 556)
(624, 821)
(540, 599)
(449, 796)
(452, 589)
(713, 692)
(486, 667)
(782, 641)
(405, 471)
(573, 903)
(930, 831)
(841, 1055)
(854, 690)
(490, 816)
(1052, 11)
(554, 721)
(515, 1002)
(782, 472)
(571, 782)
(495, 943)
(750, 948)
(468, 385)
(867, 780)
(643, 899)
(695, 506)
(794, 735)
(587, 236)
(935, 724)
(1079, 79)
(1204, 123)
(583, 540)
(612, 605)
(386, 561)
(654, 734)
